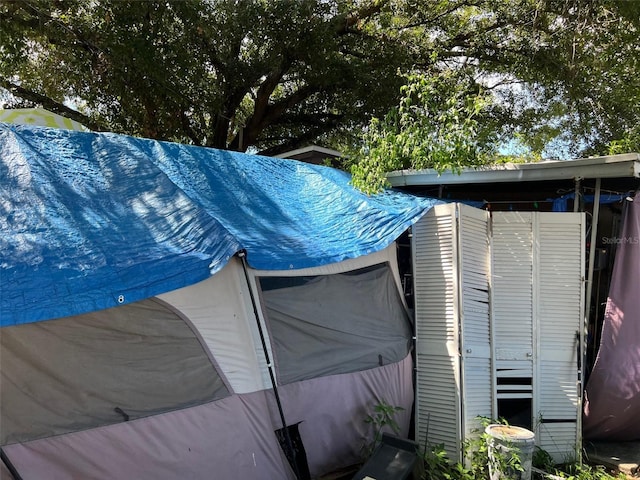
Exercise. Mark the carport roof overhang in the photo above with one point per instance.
(614, 166)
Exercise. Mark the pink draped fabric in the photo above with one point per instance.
(612, 398)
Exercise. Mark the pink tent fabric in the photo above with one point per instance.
(612, 399)
(4, 472)
(229, 438)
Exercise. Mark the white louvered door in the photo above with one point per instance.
(513, 306)
(498, 306)
(474, 268)
(453, 349)
(537, 303)
(561, 300)
(436, 289)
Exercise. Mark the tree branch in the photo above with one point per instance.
(86, 44)
(51, 105)
(318, 124)
(432, 20)
(344, 23)
(187, 127)
(269, 115)
(264, 93)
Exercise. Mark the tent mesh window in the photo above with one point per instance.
(100, 368)
(333, 324)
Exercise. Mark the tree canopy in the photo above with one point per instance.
(273, 75)
(438, 124)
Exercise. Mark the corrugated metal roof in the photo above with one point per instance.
(614, 166)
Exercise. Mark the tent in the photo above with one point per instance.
(164, 309)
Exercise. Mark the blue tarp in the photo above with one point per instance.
(561, 204)
(92, 220)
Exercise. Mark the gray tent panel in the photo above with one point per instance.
(334, 324)
(100, 368)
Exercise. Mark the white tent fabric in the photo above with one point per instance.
(220, 310)
(231, 438)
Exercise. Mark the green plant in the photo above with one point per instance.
(477, 454)
(437, 124)
(438, 466)
(576, 471)
(436, 462)
(543, 460)
(484, 455)
(381, 418)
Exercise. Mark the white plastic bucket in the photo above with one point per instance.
(505, 441)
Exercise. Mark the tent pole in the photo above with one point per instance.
(595, 214)
(592, 247)
(9, 465)
(242, 255)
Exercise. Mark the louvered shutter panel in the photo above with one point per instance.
(497, 314)
(560, 300)
(438, 396)
(538, 270)
(513, 304)
(451, 281)
(474, 263)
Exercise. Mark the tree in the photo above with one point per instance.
(227, 74)
(438, 124)
(277, 74)
(630, 142)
